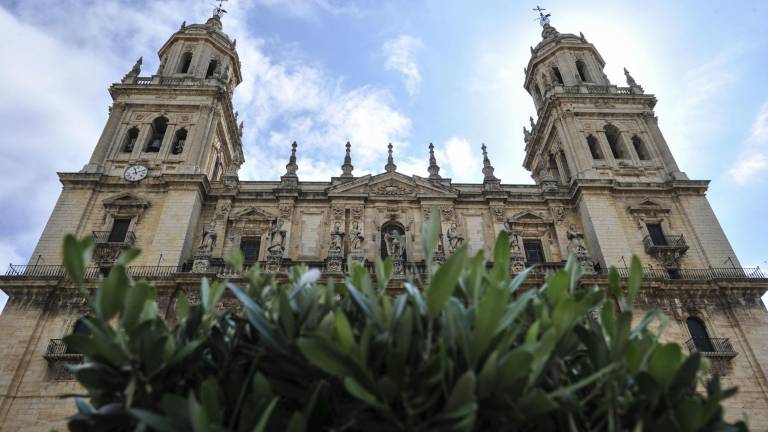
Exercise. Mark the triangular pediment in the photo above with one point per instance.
(390, 184)
(126, 199)
(528, 216)
(252, 213)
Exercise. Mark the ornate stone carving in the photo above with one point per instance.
(277, 238)
(455, 239)
(447, 212)
(208, 242)
(498, 213)
(558, 214)
(576, 247)
(392, 188)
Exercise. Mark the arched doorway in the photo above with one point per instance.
(392, 236)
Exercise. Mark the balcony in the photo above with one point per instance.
(57, 352)
(711, 347)
(103, 238)
(667, 243)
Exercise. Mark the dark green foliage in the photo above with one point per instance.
(469, 350)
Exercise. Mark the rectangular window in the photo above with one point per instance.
(119, 230)
(250, 247)
(534, 253)
(657, 234)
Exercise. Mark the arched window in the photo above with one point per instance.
(178, 141)
(185, 63)
(582, 69)
(159, 126)
(552, 166)
(130, 139)
(80, 328)
(556, 75)
(594, 147)
(699, 335)
(212, 66)
(640, 149)
(613, 136)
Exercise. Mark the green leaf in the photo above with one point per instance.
(463, 392)
(487, 317)
(134, 303)
(236, 260)
(444, 281)
(343, 330)
(111, 294)
(501, 257)
(261, 426)
(151, 419)
(77, 254)
(255, 316)
(355, 389)
(664, 363)
(430, 234)
(182, 306)
(127, 256)
(321, 353)
(536, 403)
(210, 399)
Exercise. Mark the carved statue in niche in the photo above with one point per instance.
(514, 240)
(209, 240)
(337, 238)
(394, 246)
(454, 238)
(575, 238)
(355, 236)
(277, 237)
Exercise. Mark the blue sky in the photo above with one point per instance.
(322, 72)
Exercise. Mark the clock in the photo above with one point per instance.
(135, 173)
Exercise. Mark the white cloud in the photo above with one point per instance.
(56, 104)
(460, 162)
(754, 158)
(399, 56)
(310, 8)
(3, 300)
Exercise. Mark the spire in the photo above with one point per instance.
(433, 169)
(390, 166)
(292, 167)
(547, 30)
(218, 12)
(346, 168)
(487, 167)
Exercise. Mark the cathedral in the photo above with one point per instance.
(163, 177)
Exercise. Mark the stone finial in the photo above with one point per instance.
(136, 69)
(240, 129)
(526, 134)
(630, 81)
(549, 32)
(292, 167)
(533, 123)
(347, 167)
(183, 25)
(390, 166)
(582, 37)
(433, 169)
(487, 167)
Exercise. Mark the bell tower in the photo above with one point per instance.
(180, 119)
(598, 145)
(588, 127)
(170, 140)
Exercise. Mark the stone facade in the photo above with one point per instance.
(606, 188)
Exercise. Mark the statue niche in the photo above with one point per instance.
(393, 241)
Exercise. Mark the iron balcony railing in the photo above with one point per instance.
(35, 271)
(102, 237)
(711, 347)
(57, 351)
(699, 274)
(669, 243)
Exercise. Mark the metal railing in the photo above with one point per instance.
(102, 237)
(711, 347)
(143, 80)
(699, 274)
(35, 271)
(671, 242)
(57, 351)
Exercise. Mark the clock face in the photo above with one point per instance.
(135, 172)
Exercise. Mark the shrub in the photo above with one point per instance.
(468, 349)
